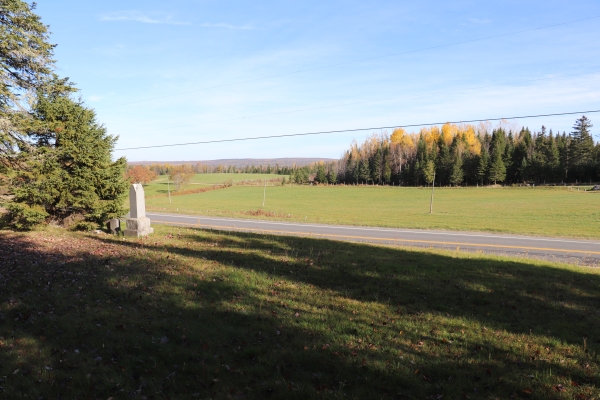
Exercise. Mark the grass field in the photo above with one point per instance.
(159, 186)
(195, 314)
(531, 211)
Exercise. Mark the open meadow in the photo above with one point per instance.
(160, 186)
(189, 313)
(544, 211)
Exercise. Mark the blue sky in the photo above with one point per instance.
(150, 68)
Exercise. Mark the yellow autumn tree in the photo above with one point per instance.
(402, 138)
(449, 131)
(471, 139)
(431, 135)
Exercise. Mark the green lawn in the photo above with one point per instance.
(190, 314)
(531, 211)
(159, 186)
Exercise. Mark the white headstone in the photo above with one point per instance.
(137, 202)
(137, 223)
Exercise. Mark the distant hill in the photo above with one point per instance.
(243, 162)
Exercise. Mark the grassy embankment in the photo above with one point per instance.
(194, 314)
(531, 211)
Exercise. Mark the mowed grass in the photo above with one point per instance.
(160, 186)
(530, 211)
(196, 314)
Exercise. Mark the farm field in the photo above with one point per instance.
(159, 186)
(529, 211)
(188, 313)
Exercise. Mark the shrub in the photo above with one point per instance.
(25, 217)
(85, 226)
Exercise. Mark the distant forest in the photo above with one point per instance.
(453, 155)
(200, 168)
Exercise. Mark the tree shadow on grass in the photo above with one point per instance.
(196, 314)
(164, 188)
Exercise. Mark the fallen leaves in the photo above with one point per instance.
(341, 330)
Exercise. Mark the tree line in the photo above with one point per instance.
(199, 168)
(470, 155)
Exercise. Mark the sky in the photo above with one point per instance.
(160, 72)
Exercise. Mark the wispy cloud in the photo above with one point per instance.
(138, 16)
(480, 21)
(165, 19)
(95, 98)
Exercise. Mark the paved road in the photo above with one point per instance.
(570, 250)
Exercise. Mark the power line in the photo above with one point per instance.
(358, 130)
(352, 62)
(364, 102)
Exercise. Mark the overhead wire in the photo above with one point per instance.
(352, 62)
(357, 130)
(363, 102)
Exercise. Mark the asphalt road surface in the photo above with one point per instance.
(557, 249)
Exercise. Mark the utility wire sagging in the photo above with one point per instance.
(358, 130)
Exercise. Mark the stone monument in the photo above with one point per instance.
(137, 223)
(114, 226)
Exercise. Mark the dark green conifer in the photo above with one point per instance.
(363, 171)
(70, 172)
(483, 165)
(332, 177)
(497, 171)
(581, 148)
(457, 174)
(321, 175)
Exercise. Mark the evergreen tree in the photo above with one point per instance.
(321, 175)
(363, 171)
(552, 159)
(538, 158)
(457, 175)
(332, 177)
(497, 171)
(376, 166)
(26, 66)
(563, 144)
(73, 174)
(483, 165)
(582, 147)
(349, 170)
(445, 162)
(520, 169)
(421, 161)
(356, 172)
(507, 157)
(597, 178)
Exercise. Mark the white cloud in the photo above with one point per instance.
(95, 98)
(138, 16)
